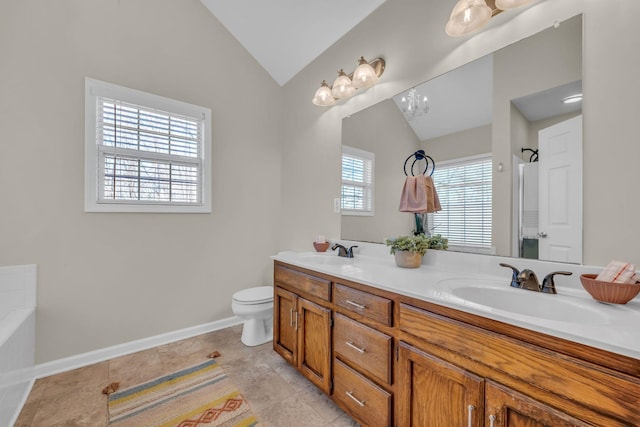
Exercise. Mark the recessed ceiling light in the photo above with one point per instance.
(572, 99)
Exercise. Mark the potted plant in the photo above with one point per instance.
(438, 242)
(409, 250)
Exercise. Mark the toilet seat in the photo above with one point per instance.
(257, 295)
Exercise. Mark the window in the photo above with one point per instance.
(145, 153)
(356, 195)
(464, 189)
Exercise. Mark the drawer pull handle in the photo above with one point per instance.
(492, 420)
(470, 409)
(296, 328)
(291, 317)
(355, 399)
(355, 304)
(355, 347)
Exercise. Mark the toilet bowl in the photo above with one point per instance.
(255, 307)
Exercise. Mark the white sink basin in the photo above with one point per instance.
(325, 259)
(490, 295)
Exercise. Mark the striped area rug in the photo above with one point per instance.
(199, 396)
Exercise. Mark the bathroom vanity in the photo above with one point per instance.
(397, 347)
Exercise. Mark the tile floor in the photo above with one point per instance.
(277, 393)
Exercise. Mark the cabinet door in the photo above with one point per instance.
(508, 408)
(434, 393)
(314, 343)
(285, 325)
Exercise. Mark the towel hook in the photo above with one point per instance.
(420, 155)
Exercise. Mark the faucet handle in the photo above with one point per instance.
(350, 251)
(515, 281)
(548, 285)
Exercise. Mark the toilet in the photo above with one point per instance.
(255, 307)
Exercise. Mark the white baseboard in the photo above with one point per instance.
(84, 359)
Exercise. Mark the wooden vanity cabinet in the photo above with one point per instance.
(301, 327)
(512, 383)
(394, 361)
(505, 407)
(436, 393)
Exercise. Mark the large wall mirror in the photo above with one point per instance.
(502, 134)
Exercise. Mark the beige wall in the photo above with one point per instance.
(466, 143)
(417, 50)
(385, 132)
(105, 279)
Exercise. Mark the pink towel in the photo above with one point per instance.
(414, 195)
(419, 195)
(433, 202)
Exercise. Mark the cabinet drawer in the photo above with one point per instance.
(363, 303)
(367, 402)
(302, 282)
(363, 347)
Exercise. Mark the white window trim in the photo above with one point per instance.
(96, 88)
(367, 155)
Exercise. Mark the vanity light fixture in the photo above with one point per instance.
(510, 4)
(342, 87)
(366, 75)
(468, 16)
(323, 96)
(572, 99)
(414, 104)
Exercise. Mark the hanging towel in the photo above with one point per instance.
(433, 202)
(414, 195)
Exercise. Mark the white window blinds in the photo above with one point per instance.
(145, 153)
(148, 155)
(464, 189)
(356, 196)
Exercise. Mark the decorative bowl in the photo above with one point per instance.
(613, 293)
(321, 247)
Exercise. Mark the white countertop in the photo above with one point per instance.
(581, 319)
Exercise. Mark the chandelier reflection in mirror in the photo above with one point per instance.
(414, 104)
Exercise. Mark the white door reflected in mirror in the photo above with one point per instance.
(560, 196)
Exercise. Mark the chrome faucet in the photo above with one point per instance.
(527, 279)
(342, 251)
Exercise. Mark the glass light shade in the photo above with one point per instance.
(468, 16)
(510, 4)
(342, 87)
(323, 97)
(364, 76)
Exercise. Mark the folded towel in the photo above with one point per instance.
(414, 195)
(618, 272)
